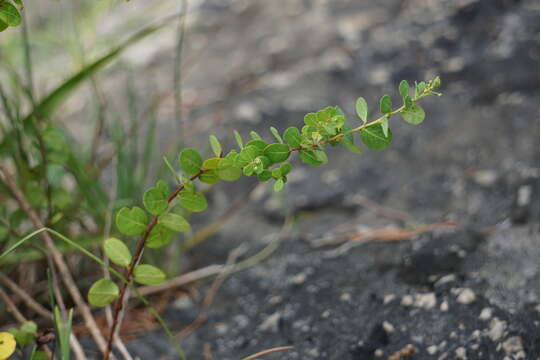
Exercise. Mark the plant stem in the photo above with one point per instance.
(119, 304)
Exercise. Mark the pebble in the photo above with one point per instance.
(496, 329)
(513, 346)
(466, 296)
(432, 349)
(271, 322)
(425, 301)
(388, 327)
(486, 314)
(444, 306)
(461, 353)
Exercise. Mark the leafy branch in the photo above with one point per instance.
(267, 161)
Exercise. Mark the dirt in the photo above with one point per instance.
(468, 293)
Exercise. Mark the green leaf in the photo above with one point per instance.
(117, 251)
(407, 101)
(190, 161)
(404, 88)
(259, 144)
(209, 177)
(215, 145)
(321, 156)
(278, 185)
(292, 137)
(148, 275)
(275, 132)
(436, 82)
(247, 155)
(277, 152)
(9, 14)
(26, 334)
(309, 157)
(211, 164)
(131, 222)
(373, 137)
(255, 136)
(102, 293)
(155, 200)
(195, 202)
(3, 26)
(19, 4)
(174, 222)
(238, 139)
(415, 115)
(362, 109)
(276, 173)
(159, 236)
(310, 119)
(249, 169)
(286, 168)
(265, 175)
(384, 126)
(386, 104)
(227, 171)
(419, 88)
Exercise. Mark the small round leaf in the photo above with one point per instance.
(117, 251)
(9, 14)
(190, 161)
(174, 222)
(131, 222)
(292, 137)
(155, 200)
(415, 115)
(159, 236)
(148, 275)
(373, 137)
(195, 202)
(277, 152)
(102, 293)
(386, 104)
(362, 109)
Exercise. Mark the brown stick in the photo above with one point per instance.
(27, 299)
(269, 351)
(64, 271)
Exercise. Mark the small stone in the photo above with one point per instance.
(389, 298)
(379, 353)
(426, 301)
(513, 345)
(297, 279)
(345, 297)
(485, 177)
(496, 329)
(407, 300)
(444, 306)
(325, 314)
(388, 327)
(271, 323)
(486, 314)
(445, 279)
(432, 349)
(461, 353)
(466, 296)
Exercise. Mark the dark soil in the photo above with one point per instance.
(468, 293)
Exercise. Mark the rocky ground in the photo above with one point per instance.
(472, 292)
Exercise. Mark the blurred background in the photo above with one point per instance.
(405, 246)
